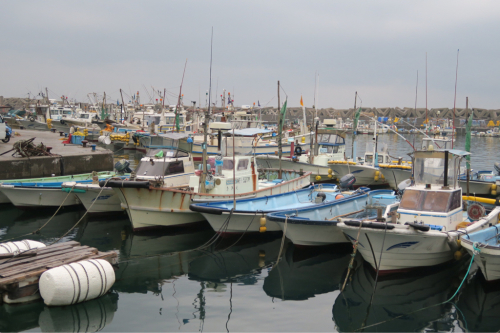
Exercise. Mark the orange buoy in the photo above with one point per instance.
(339, 196)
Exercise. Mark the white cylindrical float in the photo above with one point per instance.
(21, 246)
(76, 282)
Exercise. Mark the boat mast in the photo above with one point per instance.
(426, 119)
(454, 104)
(123, 104)
(280, 134)
(353, 129)
(180, 92)
(205, 124)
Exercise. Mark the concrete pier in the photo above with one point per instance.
(68, 160)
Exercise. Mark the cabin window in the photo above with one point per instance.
(175, 167)
(436, 201)
(369, 159)
(329, 149)
(227, 165)
(411, 200)
(243, 164)
(456, 201)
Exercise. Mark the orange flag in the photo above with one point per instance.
(301, 101)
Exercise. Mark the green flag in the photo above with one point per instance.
(356, 118)
(282, 116)
(468, 129)
(159, 154)
(177, 126)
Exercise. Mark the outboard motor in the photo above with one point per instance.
(122, 167)
(404, 184)
(347, 181)
(497, 168)
(320, 197)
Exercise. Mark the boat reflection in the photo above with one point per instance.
(90, 316)
(479, 303)
(397, 300)
(147, 261)
(236, 260)
(29, 221)
(305, 272)
(105, 233)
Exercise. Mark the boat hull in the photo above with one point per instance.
(238, 223)
(169, 206)
(272, 161)
(97, 202)
(38, 197)
(365, 175)
(33, 125)
(401, 251)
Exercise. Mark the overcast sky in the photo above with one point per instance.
(373, 47)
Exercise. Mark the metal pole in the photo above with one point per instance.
(280, 129)
(353, 129)
(466, 119)
(205, 124)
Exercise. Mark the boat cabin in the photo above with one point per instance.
(168, 154)
(435, 197)
(220, 175)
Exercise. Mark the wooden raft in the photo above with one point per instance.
(19, 275)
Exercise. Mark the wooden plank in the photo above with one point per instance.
(23, 291)
(39, 271)
(22, 254)
(39, 252)
(23, 261)
(43, 263)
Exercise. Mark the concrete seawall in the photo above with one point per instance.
(68, 159)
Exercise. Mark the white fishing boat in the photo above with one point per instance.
(485, 246)
(46, 193)
(246, 217)
(329, 146)
(428, 222)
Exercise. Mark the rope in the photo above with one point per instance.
(282, 243)
(93, 202)
(37, 230)
(427, 307)
(353, 255)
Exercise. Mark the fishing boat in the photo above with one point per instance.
(55, 179)
(481, 183)
(246, 216)
(329, 145)
(46, 194)
(164, 202)
(485, 245)
(429, 221)
(317, 225)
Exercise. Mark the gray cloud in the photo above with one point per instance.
(374, 47)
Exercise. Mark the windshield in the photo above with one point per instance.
(159, 168)
(84, 116)
(430, 201)
(328, 149)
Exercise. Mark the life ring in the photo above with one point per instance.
(32, 119)
(62, 122)
(298, 150)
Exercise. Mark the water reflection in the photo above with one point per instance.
(148, 261)
(236, 262)
(90, 316)
(26, 222)
(396, 299)
(305, 272)
(480, 305)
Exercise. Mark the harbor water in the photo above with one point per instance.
(180, 280)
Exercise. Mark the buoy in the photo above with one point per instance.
(377, 173)
(330, 175)
(382, 176)
(494, 189)
(339, 196)
(262, 229)
(20, 246)
(76, 282)
(262, 221)
(303, 139)
(330, 171)
(457, 255)
(318, 178)
(459, 242)
(462, 225)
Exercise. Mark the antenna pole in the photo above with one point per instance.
(280, 134)
(454, 104)
(426, 119)
(205, 124)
